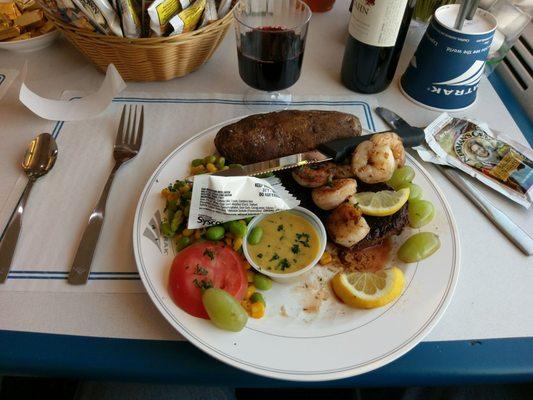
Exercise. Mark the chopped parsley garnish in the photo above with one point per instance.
(199, 270)
(295, 248)
(274, 257)
(284, 264)
(204, 285)
(209, 253)
(303, 238)
(280, 228)
(260, 255)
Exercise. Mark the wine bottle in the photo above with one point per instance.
(377, 33)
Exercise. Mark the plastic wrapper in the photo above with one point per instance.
(110, 16)
(210, 14)
(218, 199)
(187, 20)
(93, 13)
(161, 11)
(131, 24)
(500, 163)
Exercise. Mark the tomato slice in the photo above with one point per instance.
(205, 264)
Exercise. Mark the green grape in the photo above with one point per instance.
(210, 159)
(401, 176)
(224, 310)
(415, 191)
(220, 162)
(262, 282)
(419, 246)
(421, 212)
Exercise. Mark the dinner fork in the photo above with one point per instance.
(127, 145)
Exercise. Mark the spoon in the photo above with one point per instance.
(40, 157)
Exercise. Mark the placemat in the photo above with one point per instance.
(7, 76)
(60, 203)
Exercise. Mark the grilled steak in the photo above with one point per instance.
(263, 137)
(380, 227)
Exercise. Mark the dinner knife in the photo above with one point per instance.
(336, 150)
(514, 233)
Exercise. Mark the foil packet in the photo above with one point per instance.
(218, 199)
(188, 19)
(499, 162)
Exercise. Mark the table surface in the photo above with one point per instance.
(483, 335)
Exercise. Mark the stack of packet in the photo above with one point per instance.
(22, 19)
(471, 146)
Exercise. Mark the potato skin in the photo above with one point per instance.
(262, 137)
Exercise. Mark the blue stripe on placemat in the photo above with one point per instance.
(429, 363)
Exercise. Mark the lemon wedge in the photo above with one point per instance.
(369, 289)
(382, 203)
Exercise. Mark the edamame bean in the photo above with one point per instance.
(196, 162)
(262, 282)
(166, 230)
(182, 242)
(255, 235)
(238, 228)
(176, 221)
(257, 298)
(215, 233)
(220, 162)
(210, 159)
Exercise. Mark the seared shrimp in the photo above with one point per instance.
(346, 225)
(394, 142)
(312, 176)
(373, 164)
(333, 193)
(342, 171)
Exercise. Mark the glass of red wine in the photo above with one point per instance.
(270, 47)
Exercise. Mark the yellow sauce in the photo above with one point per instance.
(290, 242)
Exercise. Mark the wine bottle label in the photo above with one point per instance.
(377, 22)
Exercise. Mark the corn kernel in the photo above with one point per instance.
(200, 169)
(237, 244)
(325, 259)
(197, 234)
(246, 305)
(257, 310)
(165, 193)
(249, 291)
(185, 189)
(211, 167)
(250, 276)
(187, 232)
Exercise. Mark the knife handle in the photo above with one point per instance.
(340, 149)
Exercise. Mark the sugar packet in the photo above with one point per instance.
(218, 199)
(499, 162)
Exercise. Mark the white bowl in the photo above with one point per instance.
(32, 44)
(297, 275)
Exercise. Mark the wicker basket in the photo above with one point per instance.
(148, 59)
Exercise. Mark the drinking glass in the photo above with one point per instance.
(271, 38)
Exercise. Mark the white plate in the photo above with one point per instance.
(290, 343)
(32, 44)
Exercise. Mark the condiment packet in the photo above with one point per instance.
(161, 11)
(131, 24)
(499, 162)
(110, 16)
(186, 20)
(210, 14)
(224, 7)
(93, 13)
(218, 199)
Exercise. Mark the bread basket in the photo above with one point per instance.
(147, 59)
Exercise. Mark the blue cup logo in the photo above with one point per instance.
(448, 64)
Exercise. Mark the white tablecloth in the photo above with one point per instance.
(493, 292)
